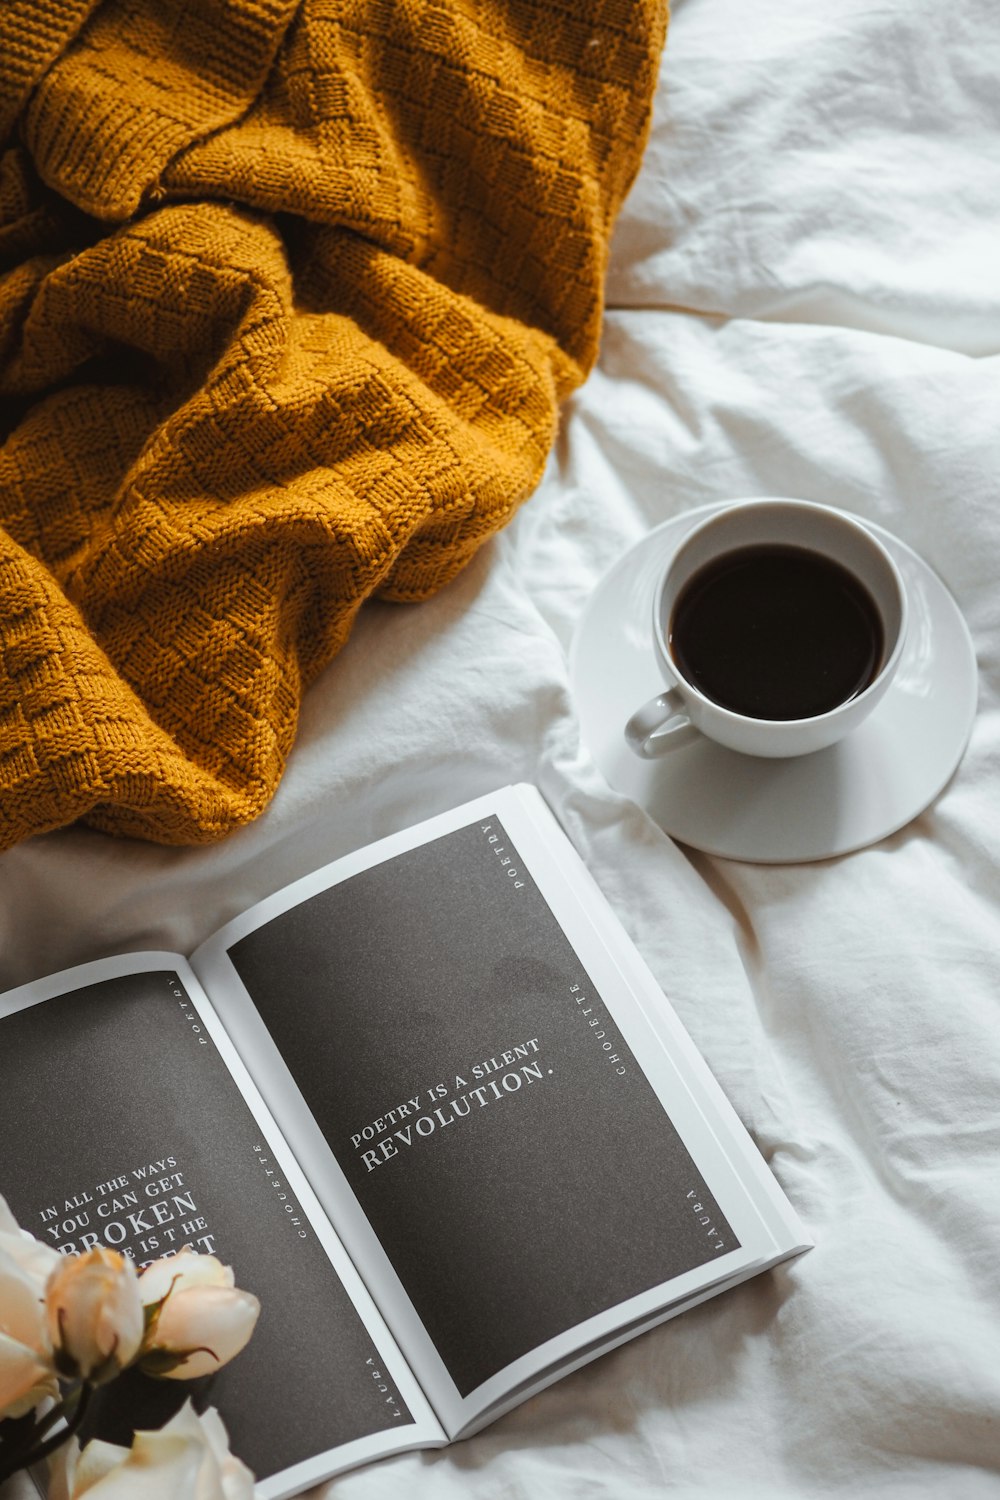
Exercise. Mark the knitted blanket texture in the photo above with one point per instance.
(290, 291)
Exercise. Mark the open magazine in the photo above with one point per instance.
(433, 1108)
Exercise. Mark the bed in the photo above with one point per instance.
(803, 299)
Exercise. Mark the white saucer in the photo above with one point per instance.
(777, 811)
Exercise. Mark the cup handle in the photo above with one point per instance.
(660, 725)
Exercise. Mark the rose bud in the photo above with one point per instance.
(95, 1315)
(196, 1318)
(27, 1375)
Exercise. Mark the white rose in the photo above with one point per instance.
(201, 1319)
(188, 1459)
(95, 1317)
(26, 1371)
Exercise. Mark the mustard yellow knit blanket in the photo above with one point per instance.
(290, 291)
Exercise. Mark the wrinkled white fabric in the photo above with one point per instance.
(804, 299)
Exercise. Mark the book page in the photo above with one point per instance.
(124, 1126)
(468, 1089)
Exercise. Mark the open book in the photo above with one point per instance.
(431, 1106)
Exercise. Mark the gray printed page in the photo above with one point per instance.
(520, 1172)
(124, 1127)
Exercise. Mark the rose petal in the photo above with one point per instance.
(188, 1459)
(25, 1378)
(8, 1224)
(237, 1480)
(214, 1319)
(22, 1310)
(185, 1269)
(96, 1460)
(27, 1252)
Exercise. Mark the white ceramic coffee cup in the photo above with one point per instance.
(681, 712)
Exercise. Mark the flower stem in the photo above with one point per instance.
(44, 1424)
(41, 1449)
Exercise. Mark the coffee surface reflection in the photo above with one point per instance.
(776, 632)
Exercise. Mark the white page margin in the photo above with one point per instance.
(425, 1430)
(766, 1231)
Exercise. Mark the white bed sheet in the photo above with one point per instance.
(804, 298)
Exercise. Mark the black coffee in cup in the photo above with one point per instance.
(776, 632)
